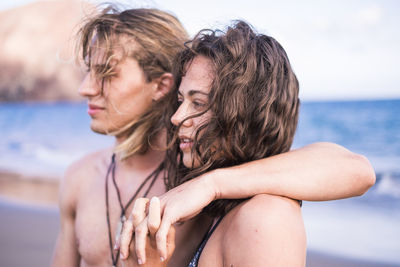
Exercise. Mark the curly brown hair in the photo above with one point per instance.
(253, 99)
(150, 36)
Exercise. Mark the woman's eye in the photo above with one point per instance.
(198, 105)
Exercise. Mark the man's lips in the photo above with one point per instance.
(93, 109)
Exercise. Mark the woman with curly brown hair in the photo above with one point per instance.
(237, 102)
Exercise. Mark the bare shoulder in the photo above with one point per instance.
(79, 174)
(266, 214)
(264, 208)
(88, 162)
(265, 230)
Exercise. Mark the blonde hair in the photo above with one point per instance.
(152, 37)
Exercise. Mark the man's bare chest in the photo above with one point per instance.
(91, 229)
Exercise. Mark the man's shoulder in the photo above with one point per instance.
(89, 163)
(81, 173)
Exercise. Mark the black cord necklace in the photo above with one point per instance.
(111, 168)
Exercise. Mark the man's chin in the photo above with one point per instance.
(98, 130)
(105, 129)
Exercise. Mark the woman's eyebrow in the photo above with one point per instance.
(192, 92)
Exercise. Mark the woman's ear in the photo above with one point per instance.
(162, 86)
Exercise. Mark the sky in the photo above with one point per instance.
(340, 50)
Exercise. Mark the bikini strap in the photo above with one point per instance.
(195, 260)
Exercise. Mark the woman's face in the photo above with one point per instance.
(193, 98)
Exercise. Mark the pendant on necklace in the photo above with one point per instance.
(118, 231)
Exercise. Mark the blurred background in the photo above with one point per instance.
(345, 55)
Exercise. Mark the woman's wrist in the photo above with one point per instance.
(211, 183)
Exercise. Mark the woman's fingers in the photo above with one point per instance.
(125, 238)
(137, 216)
(141, 232)
(171, 241)
(142, 225)
(149, 224)
(139, 211)
(162, 237)
(151, 259)
(154, 216)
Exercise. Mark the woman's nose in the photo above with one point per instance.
(180, 115)
(89, 87)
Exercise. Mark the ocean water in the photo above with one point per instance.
(43, 139)
(366, 227)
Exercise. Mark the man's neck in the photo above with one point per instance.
(147, 160)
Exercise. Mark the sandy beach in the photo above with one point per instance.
(30, 222)
(29, 189)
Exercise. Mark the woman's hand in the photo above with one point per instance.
(179, 204)
(145, 228)
(183, 203)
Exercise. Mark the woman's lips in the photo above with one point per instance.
(185, 143)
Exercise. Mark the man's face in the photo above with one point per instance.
(124, 98)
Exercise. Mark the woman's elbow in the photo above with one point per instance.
(365, 174)
(360, 168)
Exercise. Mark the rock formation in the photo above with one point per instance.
(37, 51)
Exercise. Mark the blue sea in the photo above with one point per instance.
(42, 139)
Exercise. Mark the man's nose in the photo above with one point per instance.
(89, 86)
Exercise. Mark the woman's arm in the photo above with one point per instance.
(316, 172)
